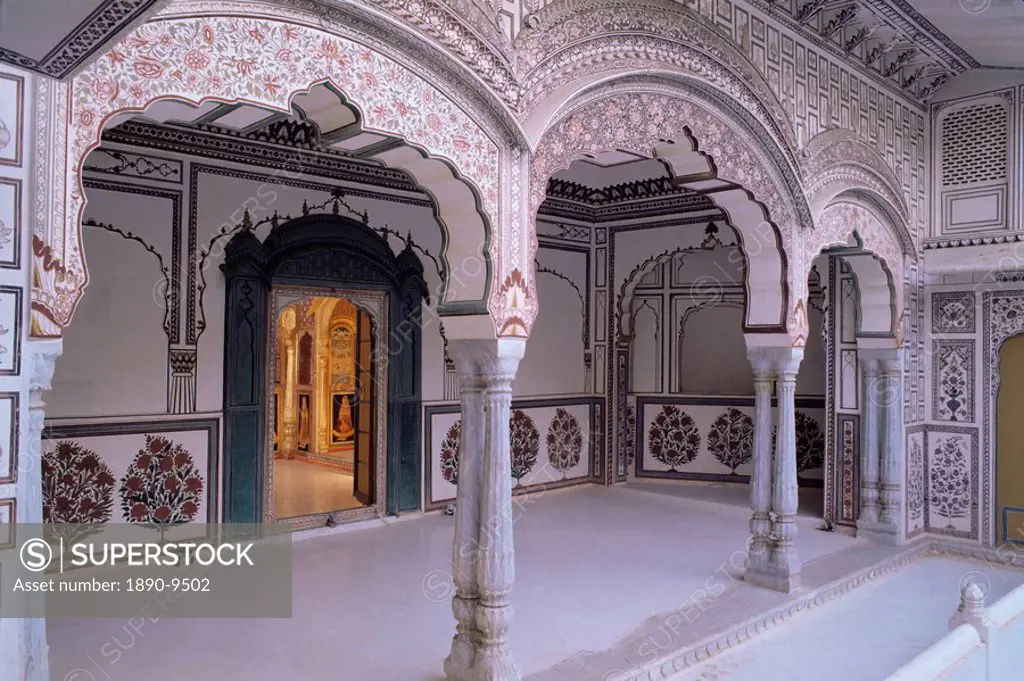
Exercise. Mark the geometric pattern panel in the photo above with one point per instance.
(953, 380)
(951, 477)
(953, 312)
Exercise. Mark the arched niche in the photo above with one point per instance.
(329, 252)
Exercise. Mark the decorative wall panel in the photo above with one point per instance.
(552, 446)
(10, 330)
(951, 479)
(10, 223)
(953, 382)
(917, 490)
(158, 472)
(953, 312)
(9, 413)
(711, 438)
(12, 101)
(848, 468)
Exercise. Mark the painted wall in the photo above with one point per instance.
(953, 459)
(145, 354)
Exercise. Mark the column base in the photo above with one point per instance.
(880, 532)
(769, 578)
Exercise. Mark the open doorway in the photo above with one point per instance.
(325, 456)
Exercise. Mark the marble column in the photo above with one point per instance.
(484, 549)
(458, 664)
(869, 463)
(495, 561)
(785, 562)
(761, 472)
(892, 447)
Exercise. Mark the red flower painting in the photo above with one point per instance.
(162, 486)
(450, 454)
(565, 441)
(673, 437)
(78, 486)
(525, 444)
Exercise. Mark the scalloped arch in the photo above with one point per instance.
(568, 41)
(837, 164)
(265, 61)
(696, 144)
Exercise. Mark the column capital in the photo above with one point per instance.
(487, 358)
(42, 356)
(774, 361)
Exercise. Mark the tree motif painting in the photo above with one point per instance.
(810, 443)
(731, 438)
(162, 485)
(565, 441)
(450, 454)
(673, 437)
(525, 444)
(78, 486)
(949, 479)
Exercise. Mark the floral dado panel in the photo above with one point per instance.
(953, 383)
(264, 62)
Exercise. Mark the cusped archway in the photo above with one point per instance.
(704, 150)
(270, 62)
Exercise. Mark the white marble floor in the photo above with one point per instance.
(592, 565)
(303, 488)
(865, 635)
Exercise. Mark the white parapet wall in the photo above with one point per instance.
(981, 645)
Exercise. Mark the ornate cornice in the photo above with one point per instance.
(626, 191)
(107, 21)
(631, 210)
(231, 145)
(936, 244)
(886, 40)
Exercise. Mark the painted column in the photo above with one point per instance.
(891, 404)
(459, 663)
(869, 516)
(761, 472)
(289, 420)
(785, 562)
(495, 559)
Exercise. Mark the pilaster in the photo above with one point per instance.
(882, 461)
(869, 463)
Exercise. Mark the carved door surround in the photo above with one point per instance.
(319, 255)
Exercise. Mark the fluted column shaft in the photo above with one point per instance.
(761, 472)
(785, 562)
(869, 511)
(891, 445)
(467, 524)
(495, 562)
(484, 550)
